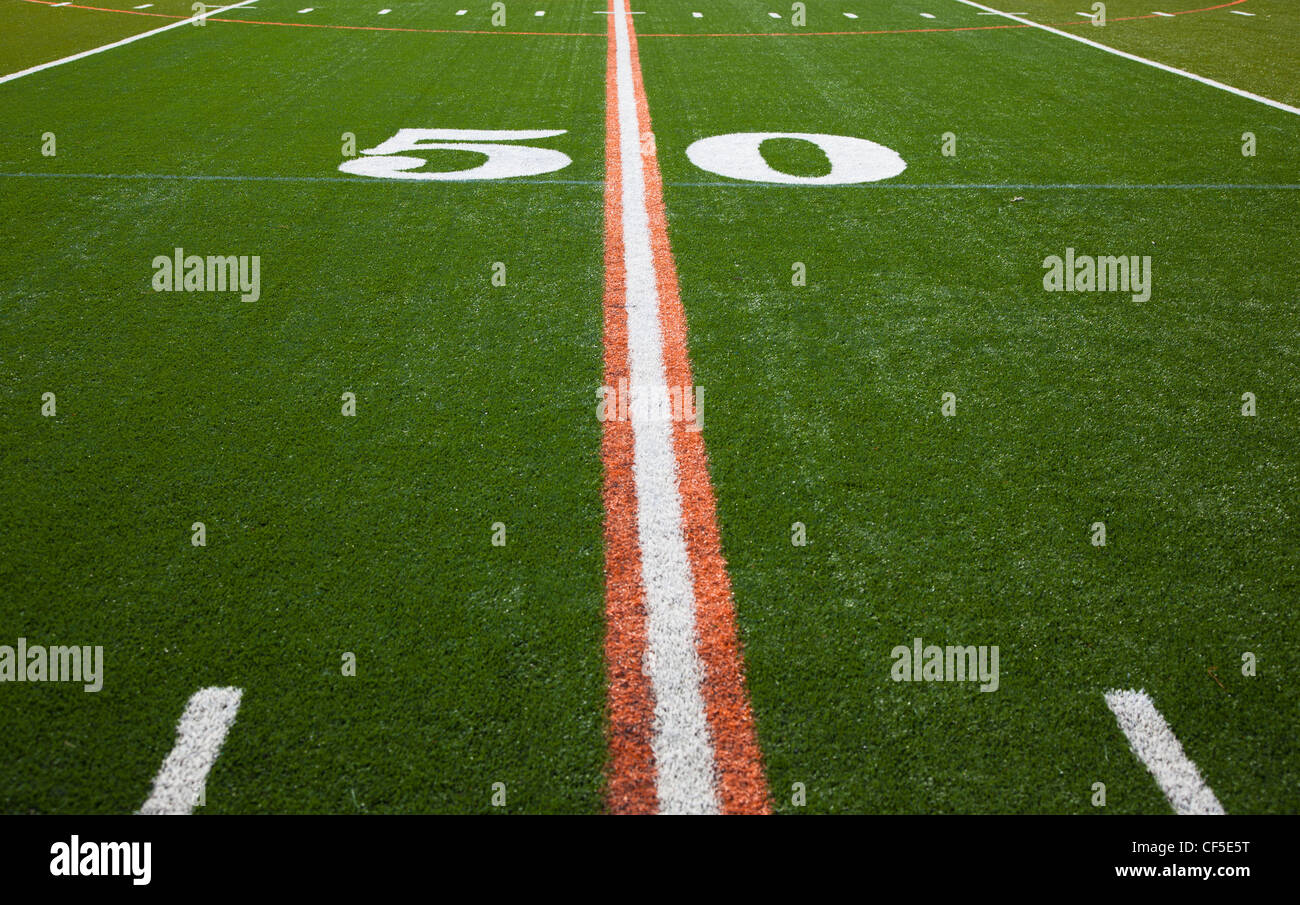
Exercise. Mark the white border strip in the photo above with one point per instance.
(1137, 59)
(208, 715)
(681, 743)
(144, 34)
(1159, 749)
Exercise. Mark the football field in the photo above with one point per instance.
(851, 406)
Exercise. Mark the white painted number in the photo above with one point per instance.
(737, 155)
(389, 161)
(852, 159)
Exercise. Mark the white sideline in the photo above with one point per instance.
(144, 34)
(1137, 59)
(200, 734)
(1158, 748)
(683, 750)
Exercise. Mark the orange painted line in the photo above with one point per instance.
(918, 31)
(427, 31)
(593, 34)
(740, 784)
(630, 783)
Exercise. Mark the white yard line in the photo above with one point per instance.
(1237, 12)
(683, 750)
(1158, 748)
(208, 716)
(850, 15)
(1278, 105)
(144, 34)
(1165, 15)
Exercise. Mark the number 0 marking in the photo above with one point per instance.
(852, 160)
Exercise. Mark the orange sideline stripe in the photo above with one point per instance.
(740, 784)
(630, 786)
(742, 788)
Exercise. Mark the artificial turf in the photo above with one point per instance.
(479, 664)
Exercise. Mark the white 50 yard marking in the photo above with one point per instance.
(208, 715)
(1137, 59)
(1158, 748)
(144, 34)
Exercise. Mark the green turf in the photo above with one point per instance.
(477, 664)
(1256, 53)
(35, 33)
(476, 403)
(1071, 409)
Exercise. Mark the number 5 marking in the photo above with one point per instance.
(388, 160)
